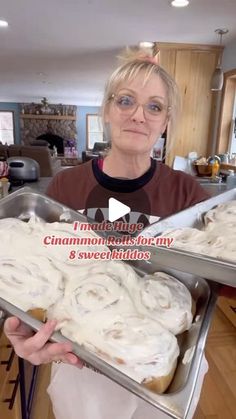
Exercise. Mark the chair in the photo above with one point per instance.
(99, 149)
(48, 165)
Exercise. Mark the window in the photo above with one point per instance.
(94, 130)
(232, 132)
(6, 127)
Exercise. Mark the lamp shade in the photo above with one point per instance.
(217, 79)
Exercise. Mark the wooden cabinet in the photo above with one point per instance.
(10, 405)
(192, 67)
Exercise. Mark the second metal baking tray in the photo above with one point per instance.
(221, 271)
(176, 401)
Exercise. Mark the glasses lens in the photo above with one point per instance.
(154, 110)
(125, 102)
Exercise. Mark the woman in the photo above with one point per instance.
(140, 101)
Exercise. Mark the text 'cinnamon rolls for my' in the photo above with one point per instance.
(127, 320)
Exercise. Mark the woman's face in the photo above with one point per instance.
(135, 129)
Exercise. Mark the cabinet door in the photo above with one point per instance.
(192, 69)
(167, 60)
(9, 386)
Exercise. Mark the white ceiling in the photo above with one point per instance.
(64, 49)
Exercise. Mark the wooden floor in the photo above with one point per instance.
(218, 398)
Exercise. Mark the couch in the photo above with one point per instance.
(49, 165)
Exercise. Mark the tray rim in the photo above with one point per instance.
(214, 269)
(177, 404)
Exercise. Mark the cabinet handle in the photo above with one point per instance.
(11, 400)
(9, 361)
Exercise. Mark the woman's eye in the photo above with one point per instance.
(154, 107)
(125, 101)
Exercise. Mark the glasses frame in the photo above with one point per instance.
(129, 112)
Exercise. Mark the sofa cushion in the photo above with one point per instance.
(14, 150)
(4, 151)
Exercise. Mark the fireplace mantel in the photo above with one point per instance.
(57, 117)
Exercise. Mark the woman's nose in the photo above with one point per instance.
(138, 114)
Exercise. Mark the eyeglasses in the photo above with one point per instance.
(128, 105)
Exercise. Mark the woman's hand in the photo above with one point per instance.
(34, 347)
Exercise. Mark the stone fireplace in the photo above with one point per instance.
(58, 119)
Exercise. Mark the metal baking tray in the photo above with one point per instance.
(221, 271)
(175, 402)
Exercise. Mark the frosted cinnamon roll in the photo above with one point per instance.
(93, 290)
(139, 347)
(56, 240)
(222, 213)
(8, 224)
(165, 299)
(188, 239)
(30, 282)
(16, 236)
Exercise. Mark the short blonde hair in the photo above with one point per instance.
(139, 62)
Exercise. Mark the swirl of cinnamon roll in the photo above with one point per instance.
(225, 212)
(16, 236)
(189, 239)
(94, 289)
(138, 346)
(29, 282)
(58, 233)
(164, 299)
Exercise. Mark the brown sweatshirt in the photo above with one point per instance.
(160, 192)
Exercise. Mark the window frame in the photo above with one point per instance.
(13, 123)
(88, 115)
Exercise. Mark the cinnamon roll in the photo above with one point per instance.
(96, 288)
(30, 282)
(138, 346)
(165, 299)
(225, 212)
(216, 239)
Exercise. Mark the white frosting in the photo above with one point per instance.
(93, 290)
(188, 355)
(31, 282)
(217, 239)
(138, 346)
(164, 299)
(223, 212)
(103, 305)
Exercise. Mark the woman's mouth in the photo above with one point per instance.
(134, 131)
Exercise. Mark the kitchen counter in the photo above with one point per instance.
(43, 182)
(215, 188)
(38, 186)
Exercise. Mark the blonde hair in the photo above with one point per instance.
(137, 61)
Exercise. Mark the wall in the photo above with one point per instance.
(81, 124)
(229, 56)
(16, 109)
(80, 121)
